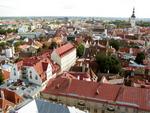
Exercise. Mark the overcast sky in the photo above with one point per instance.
(99, 8)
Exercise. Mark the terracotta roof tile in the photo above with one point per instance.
(64, 49)
(11, 96)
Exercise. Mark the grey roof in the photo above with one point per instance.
(43, 106)
(47, 107)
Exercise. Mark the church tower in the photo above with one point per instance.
(133, 19)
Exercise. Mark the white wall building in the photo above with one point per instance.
(65, 56)
(14, 72)
(37, 73)
(9, 52)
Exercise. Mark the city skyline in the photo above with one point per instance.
(98, 8)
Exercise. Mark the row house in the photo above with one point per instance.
(97, 97)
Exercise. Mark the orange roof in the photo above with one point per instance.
(25, 46)
(5, 74)
(76, 75)
(64, 49)
(4, 104)
(39, 63)
(11, 96)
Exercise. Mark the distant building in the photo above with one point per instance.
(9, 52)
(23, 29)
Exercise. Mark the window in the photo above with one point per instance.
(30, 76)
(36, 77)
(95, 110)
(14, 73)
(118, 107)
(103, 111)
(126, 109)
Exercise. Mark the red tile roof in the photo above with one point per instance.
(136, 97)
(120, 95)
(80, 88)
(40, 64)
(11, 96)
(64, 49)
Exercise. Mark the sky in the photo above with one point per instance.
(98, 8)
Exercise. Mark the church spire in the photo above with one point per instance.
(133, 13)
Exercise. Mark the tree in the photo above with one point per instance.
(44, 47)
(115, 44)
(2, 45)
(17, 44)
(139, 58)
(80, 50)
(53, 45)
(108, 63)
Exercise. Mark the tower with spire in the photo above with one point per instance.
(133, 19)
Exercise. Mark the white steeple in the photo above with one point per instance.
(133, 19)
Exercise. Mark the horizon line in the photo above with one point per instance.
(77, 16)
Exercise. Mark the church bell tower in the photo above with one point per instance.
(133, 19)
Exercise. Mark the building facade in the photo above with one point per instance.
(65, 56)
